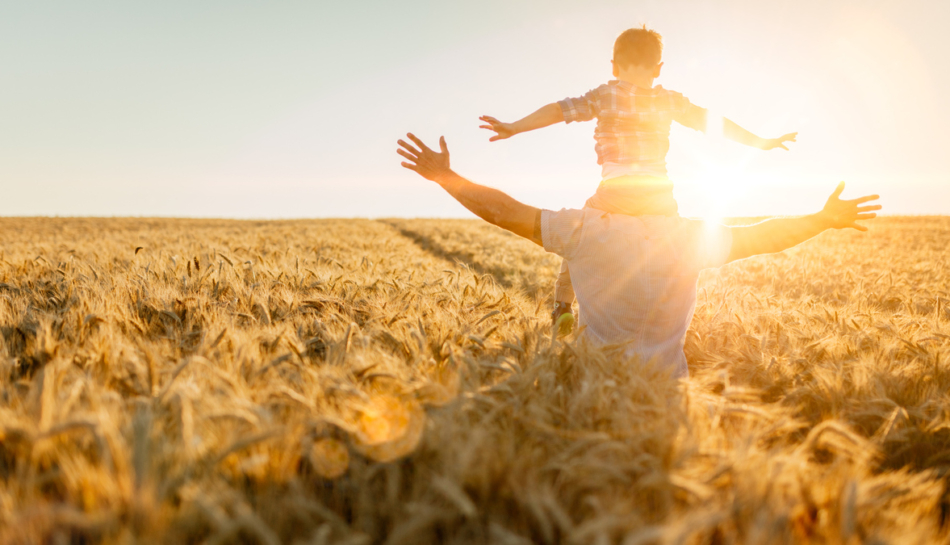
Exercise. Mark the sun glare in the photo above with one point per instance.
(718, 178)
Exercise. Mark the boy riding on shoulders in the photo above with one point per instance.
(632, 138)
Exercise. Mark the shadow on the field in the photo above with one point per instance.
(467, 259)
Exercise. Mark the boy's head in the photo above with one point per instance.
(638, 48)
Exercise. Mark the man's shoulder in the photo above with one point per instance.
(707, 242)
(561, 230)
(678, 225)
(698, 243)
(692, 227)
(678, 230)
(575, 232)
(668, 226)
(566, 217)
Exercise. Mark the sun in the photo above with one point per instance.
(718, 177)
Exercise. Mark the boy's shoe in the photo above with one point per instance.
(562, 318)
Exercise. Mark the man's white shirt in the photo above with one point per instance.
(635, 276)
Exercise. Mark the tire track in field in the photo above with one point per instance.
(432, 247)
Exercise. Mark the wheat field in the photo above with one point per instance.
(396, 381)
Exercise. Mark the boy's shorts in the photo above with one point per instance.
(635, 196)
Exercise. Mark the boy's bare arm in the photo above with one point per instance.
(734, 132)
(543, 117)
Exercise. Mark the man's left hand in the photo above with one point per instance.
(429, 164)
(841, 214)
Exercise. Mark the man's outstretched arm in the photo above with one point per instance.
(489, 204)
(776, 235)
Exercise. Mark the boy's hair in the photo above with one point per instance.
(638, 47)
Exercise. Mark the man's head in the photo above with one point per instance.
(638, 50)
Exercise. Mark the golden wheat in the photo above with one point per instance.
(356, 381)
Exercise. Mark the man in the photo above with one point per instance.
(634, 277)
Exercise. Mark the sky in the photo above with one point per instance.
(267, 109)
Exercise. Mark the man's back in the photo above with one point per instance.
(635, 277)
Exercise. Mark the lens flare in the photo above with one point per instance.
(389, 428)
(330, 458)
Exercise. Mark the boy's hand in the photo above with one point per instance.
(772, 143)
(502, 130)
(428, 163)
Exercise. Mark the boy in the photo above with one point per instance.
(632, 135)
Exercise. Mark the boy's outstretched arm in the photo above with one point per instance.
(543, 117)
(734, 132)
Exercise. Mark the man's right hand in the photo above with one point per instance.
(429, 164)
(489, 204)
(839, 214)
(502, 130)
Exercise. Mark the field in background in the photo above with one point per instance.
(356, 381)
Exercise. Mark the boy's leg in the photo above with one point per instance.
(562, 316)
(635, 196)
(563, 289)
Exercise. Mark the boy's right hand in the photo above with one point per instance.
(502, 130)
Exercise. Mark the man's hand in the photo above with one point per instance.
(772, 143)
(429, 164)
(489, 204)
(778, 234)
(839, 214)
(502, 130)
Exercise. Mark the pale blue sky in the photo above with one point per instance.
(292, 109)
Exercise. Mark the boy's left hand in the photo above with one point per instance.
(772, 143)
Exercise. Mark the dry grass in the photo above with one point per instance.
(395, 382)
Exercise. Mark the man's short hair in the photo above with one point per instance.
(638, 47)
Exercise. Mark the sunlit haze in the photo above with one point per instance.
(293, 109)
